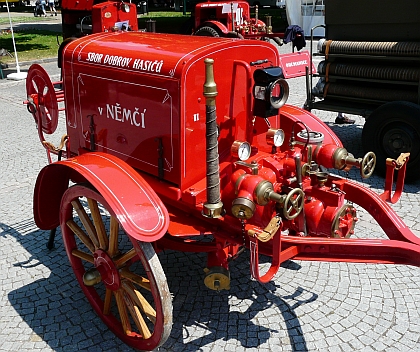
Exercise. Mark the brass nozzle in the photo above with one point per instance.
(209, 87)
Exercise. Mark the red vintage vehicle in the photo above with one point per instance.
(232, 19)
(148, 164)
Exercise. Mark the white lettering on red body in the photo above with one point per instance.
(125, 62)
(110, 60)
(94, 57)
(118, 61)
(117, 113)
(148, 65)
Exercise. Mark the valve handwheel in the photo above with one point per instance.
(38, 83)
(368, 165)
(293, 204)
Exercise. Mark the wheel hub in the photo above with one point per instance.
(398, 141)
(106, 267)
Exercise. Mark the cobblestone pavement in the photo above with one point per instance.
(309, 306)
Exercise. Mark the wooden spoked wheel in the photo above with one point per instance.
(121, 277)
(38, 82)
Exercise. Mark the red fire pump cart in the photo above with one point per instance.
(147, 164)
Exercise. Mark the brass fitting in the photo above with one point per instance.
(210, 87)
(217, 278)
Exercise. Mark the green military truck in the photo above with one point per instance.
(371, 67)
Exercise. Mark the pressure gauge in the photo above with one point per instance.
(241, 150)
(275, 137)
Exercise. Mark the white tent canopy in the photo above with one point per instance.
(306, 14)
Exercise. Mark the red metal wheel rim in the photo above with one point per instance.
(157, 317)
(38, 82)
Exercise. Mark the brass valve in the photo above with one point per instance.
(343, 160)
(292, 203)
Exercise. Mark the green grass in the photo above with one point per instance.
(166, 21)
(22, 19)
(30, 45)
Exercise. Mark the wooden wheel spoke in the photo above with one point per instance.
(125, 257)
(113, 236)
(87, 223)
(126, 286)
(82, 255)
(81, 235)
(141, 302)
(137, 279)
(133, 308)
(122, 309)
(99, 224)
(107, 302)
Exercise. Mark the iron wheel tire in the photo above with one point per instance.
(207, 31)
(392, 129)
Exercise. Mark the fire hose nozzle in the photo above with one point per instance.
(213, 207)
(209, 87)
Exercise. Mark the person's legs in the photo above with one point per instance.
(342, 119)
(52, 8)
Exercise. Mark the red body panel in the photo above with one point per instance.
(110, 16)
(120, 80)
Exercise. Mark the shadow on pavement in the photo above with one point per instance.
(57, 311)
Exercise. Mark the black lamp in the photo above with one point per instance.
(270, 91)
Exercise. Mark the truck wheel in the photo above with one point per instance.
(207, 31)
(392, 129)
(122, 278)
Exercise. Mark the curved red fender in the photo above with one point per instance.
(137, 207)
(290, 114)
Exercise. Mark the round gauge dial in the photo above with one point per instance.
(241, 150)
(275, 137)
